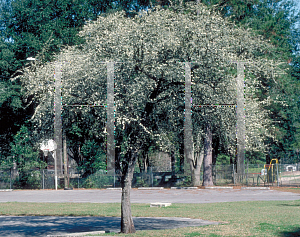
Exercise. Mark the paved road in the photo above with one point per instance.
(148, 196)
(43, 226)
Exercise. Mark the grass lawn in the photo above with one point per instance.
(257, 218)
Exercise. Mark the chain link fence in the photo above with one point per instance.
(254, 175)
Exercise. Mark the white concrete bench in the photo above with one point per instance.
(160, 204)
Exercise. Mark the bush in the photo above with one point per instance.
(140, 182)
(187, 181)
(28, 180)
(98, 180)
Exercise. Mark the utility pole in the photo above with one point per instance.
(240, 123)
(110, 124)
(66, 176)
(57, 154)
(57, 118)
(188, 132)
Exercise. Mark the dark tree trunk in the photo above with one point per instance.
(127, 225)
(181, 153)
(207, 163)
(215, 150)
(173, 161)
(146, 161)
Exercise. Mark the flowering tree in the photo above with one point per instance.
(149, 79)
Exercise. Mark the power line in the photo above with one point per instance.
(78, 105)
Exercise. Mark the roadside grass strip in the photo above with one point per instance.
(251, 218)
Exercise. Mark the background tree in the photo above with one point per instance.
(16, 44)
(26, 155)
(276, 21)
(28, 28)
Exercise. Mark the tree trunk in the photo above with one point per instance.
(127, 225)
(173, 162)
(181, 157)
(195, 161)
(145, 163)
(207, 163)
(196, 169)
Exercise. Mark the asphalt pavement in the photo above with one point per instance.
(147, 196)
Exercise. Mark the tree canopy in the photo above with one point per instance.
(149, 50)
(56, 20)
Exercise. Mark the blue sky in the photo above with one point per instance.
(298, 5)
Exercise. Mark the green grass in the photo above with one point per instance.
(257, 218)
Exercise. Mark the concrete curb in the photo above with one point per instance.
(6, 190)
(184, 187)
(149, 188)
(216, 187)
(114, 188)
(255, 188)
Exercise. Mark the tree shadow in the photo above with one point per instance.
(289, 205)
(294, 233)
(58, 225)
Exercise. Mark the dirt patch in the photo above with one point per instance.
(280, 189)
(287, 189)
(290, 173)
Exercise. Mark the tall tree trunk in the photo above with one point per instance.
(127, 225)
(207, 163)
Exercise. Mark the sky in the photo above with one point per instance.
(298, 6)
(298, 9)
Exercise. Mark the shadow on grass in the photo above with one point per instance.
(295, 203)
(289, 205)
(294, 233)
(194, 234)
(58, 225)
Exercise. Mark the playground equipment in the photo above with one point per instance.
(269, 174)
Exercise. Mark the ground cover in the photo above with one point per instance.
(257, 218)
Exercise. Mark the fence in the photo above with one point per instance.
(255, 175)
